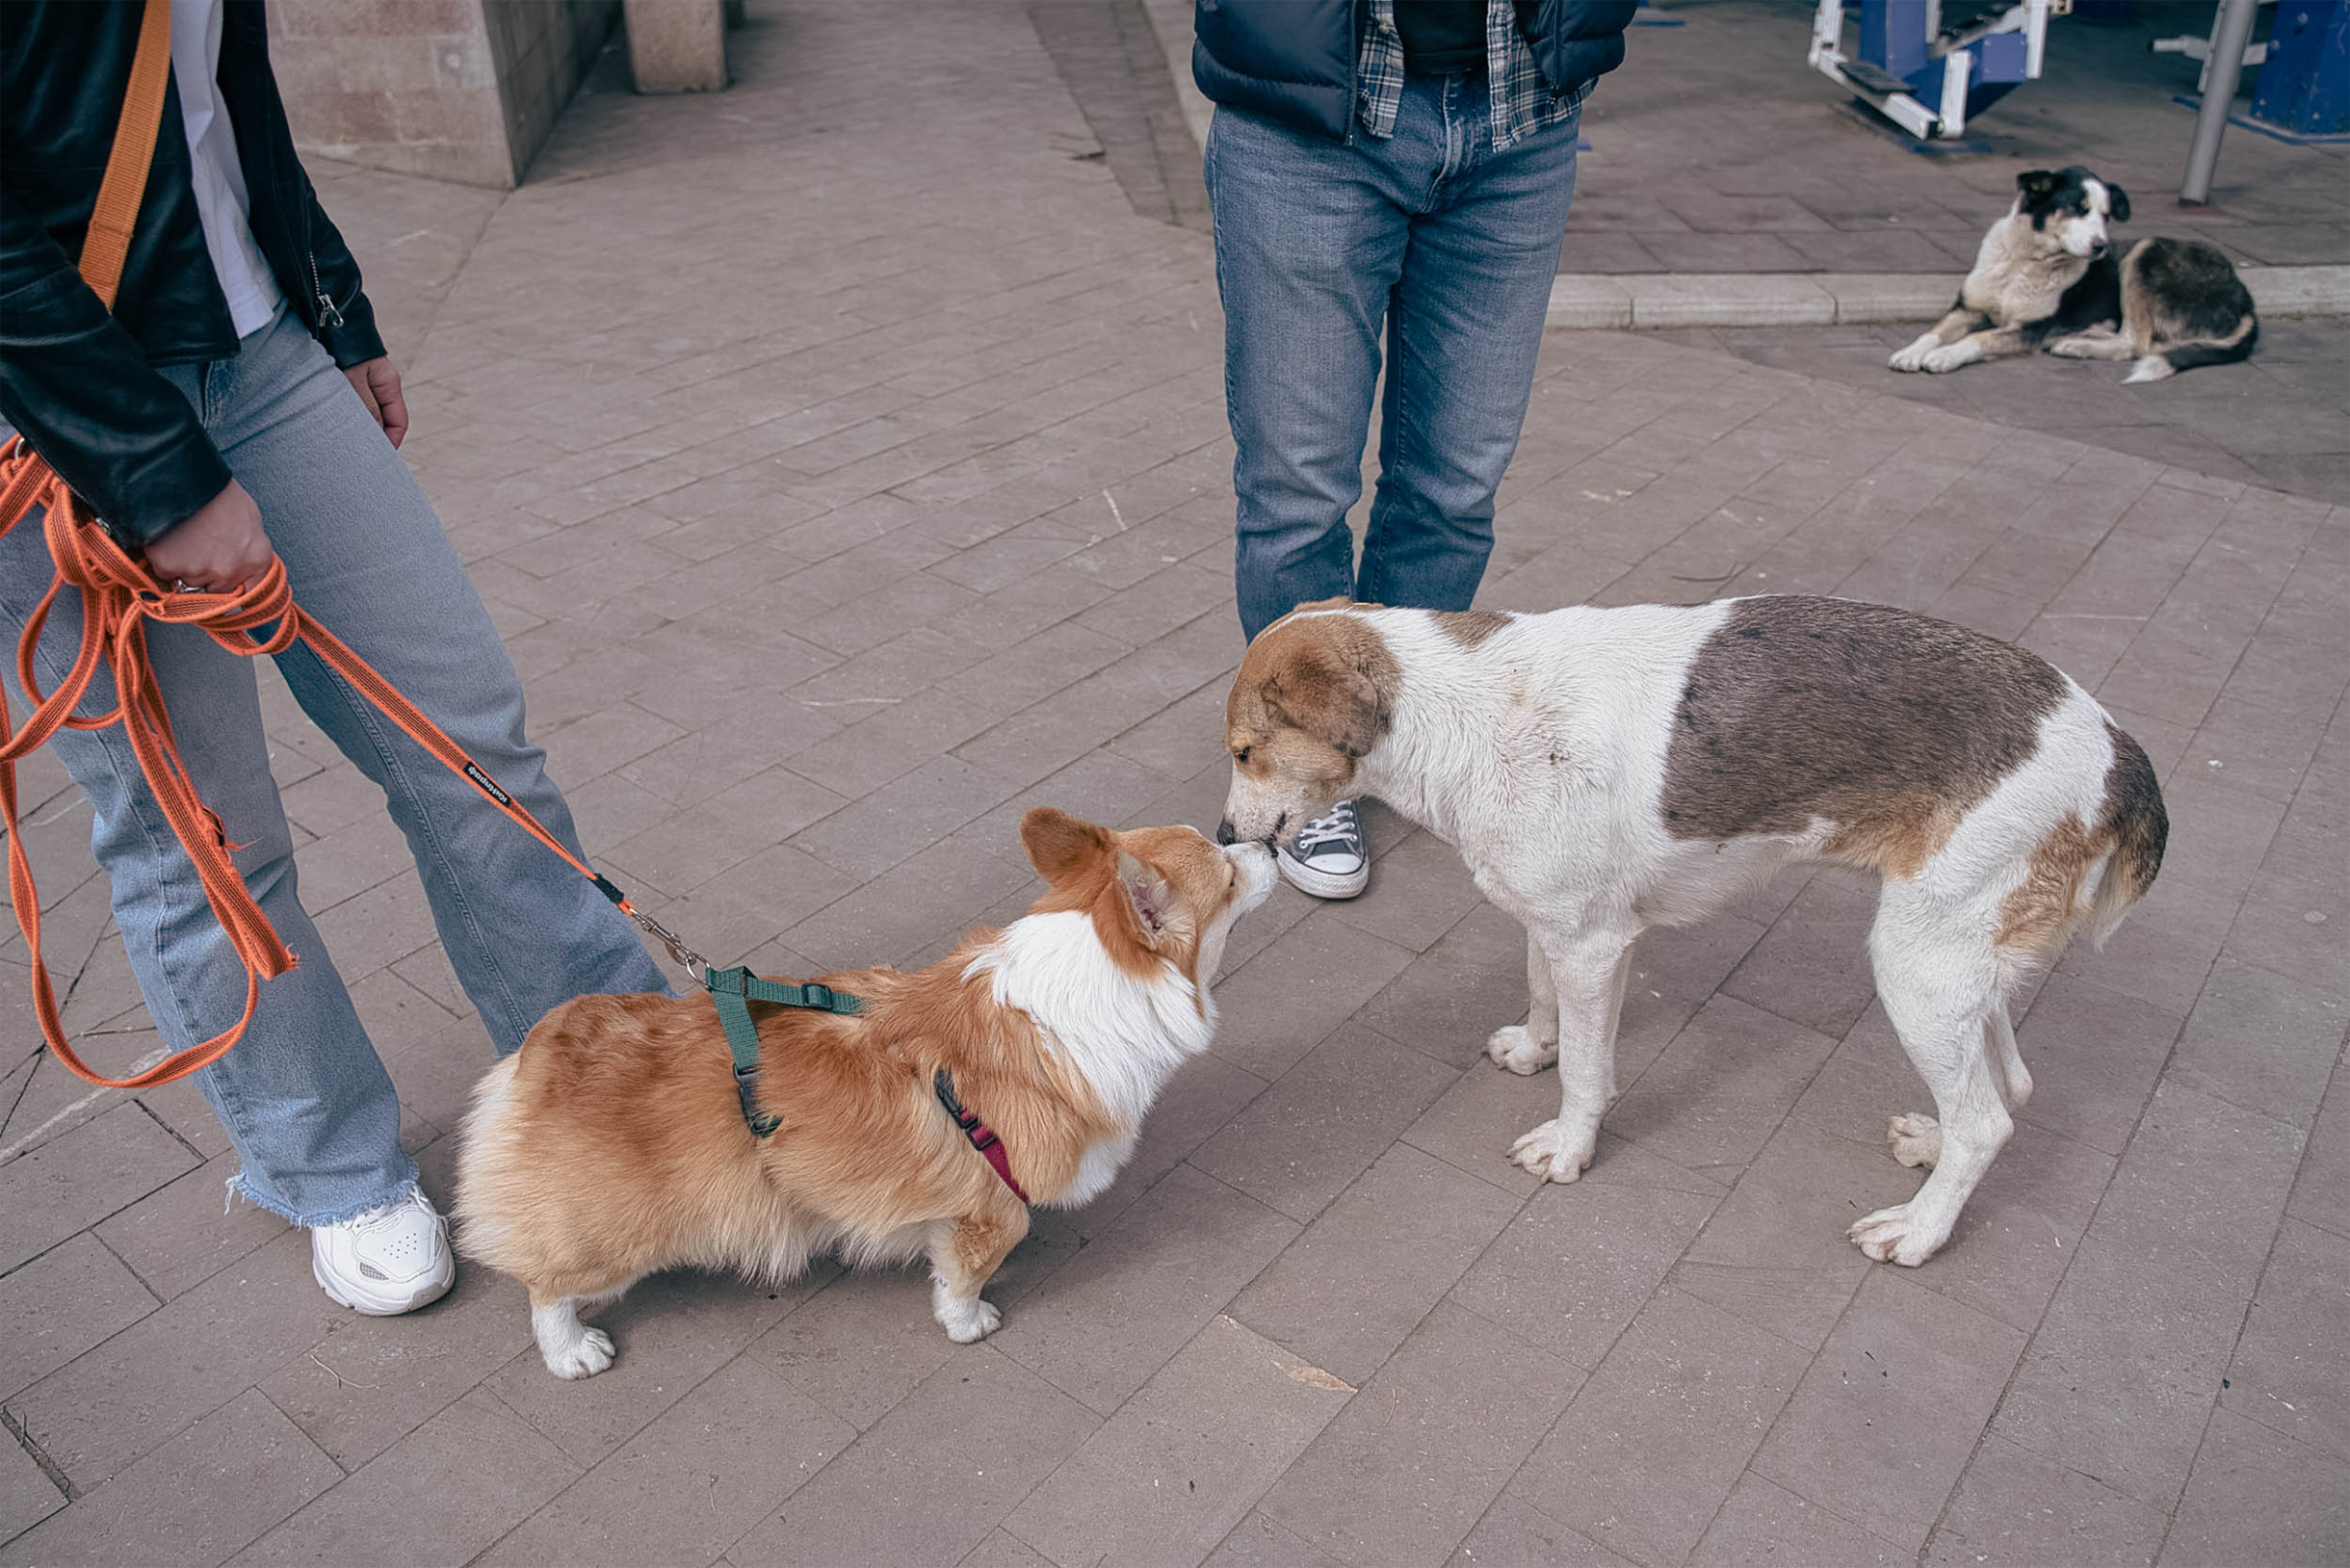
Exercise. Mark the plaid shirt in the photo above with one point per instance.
(1524, 105)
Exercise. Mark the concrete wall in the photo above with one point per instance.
(543, 50)
(454, 90)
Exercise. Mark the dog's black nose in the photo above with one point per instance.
(2099, 250)
(1225, 833)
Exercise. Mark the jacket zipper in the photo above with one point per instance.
(1360, 13)
(328, 314)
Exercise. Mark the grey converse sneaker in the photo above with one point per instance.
(1329, 857)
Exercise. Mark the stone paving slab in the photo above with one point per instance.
(2280, 419)
(855, 397)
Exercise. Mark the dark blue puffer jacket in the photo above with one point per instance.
(1293, 61)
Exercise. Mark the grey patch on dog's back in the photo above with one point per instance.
(1890, 723)
(1469, 628)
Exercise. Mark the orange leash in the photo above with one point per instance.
(120, 596)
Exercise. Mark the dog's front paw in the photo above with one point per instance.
(968, 1320)
(1517, 1051)
(1916, 1141)
(1895, 1235)
(2152, 368)
(583, 1358)
(1913, 357)
(1557, 1152)
(1949, 357)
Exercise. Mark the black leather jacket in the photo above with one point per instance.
(78, 383)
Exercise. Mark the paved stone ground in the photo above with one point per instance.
(844, 462)
(2280, 419)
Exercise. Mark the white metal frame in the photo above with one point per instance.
(1949, 119)
(2196, 47)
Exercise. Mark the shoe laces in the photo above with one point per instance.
(391, 1213)
(1339, 829)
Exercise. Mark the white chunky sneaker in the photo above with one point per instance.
(1329, 857)
(387, 1260)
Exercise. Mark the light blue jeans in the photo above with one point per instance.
(303, 1097)
(1446, 246)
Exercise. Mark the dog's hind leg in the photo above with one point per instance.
(1529, 1047)
(2097, 343)
(1916, 1141)
(1939, 987)
(965, 1253)
(2015, 1078)
(1589, 971)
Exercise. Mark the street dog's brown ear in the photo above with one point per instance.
(2117, 202)
(1058, 844)
(1334, 680)
(2037, 185)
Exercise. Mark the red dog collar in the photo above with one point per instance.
(982, 1136)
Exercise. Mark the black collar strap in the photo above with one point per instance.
(982, 1136)
(731, 992)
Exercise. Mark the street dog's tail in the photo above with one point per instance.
(2137, 826)
(2211, 351)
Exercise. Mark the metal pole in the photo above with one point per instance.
(2227, 62)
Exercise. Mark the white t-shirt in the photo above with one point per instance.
(220, 199)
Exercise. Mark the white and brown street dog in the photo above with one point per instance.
(1603, 770)
(614, 1143)
(2047, 277)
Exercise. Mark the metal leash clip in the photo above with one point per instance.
(694, 963)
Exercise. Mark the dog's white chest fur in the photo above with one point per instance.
(1124, 1036)
(2018, 275)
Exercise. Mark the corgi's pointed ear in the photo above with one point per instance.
(1058, 844)
(1152, 897)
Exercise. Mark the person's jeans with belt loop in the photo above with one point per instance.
(1447, 246)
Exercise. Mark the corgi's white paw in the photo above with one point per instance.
(968, 1320)
(587, 1354)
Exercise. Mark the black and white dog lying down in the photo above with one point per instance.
(2047, 277)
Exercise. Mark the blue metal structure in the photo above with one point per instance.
(1931, 66)
(2305, 82)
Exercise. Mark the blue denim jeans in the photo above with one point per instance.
(1449, 247)
(303, 1097)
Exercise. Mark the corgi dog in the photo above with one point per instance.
(1015, 1070)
